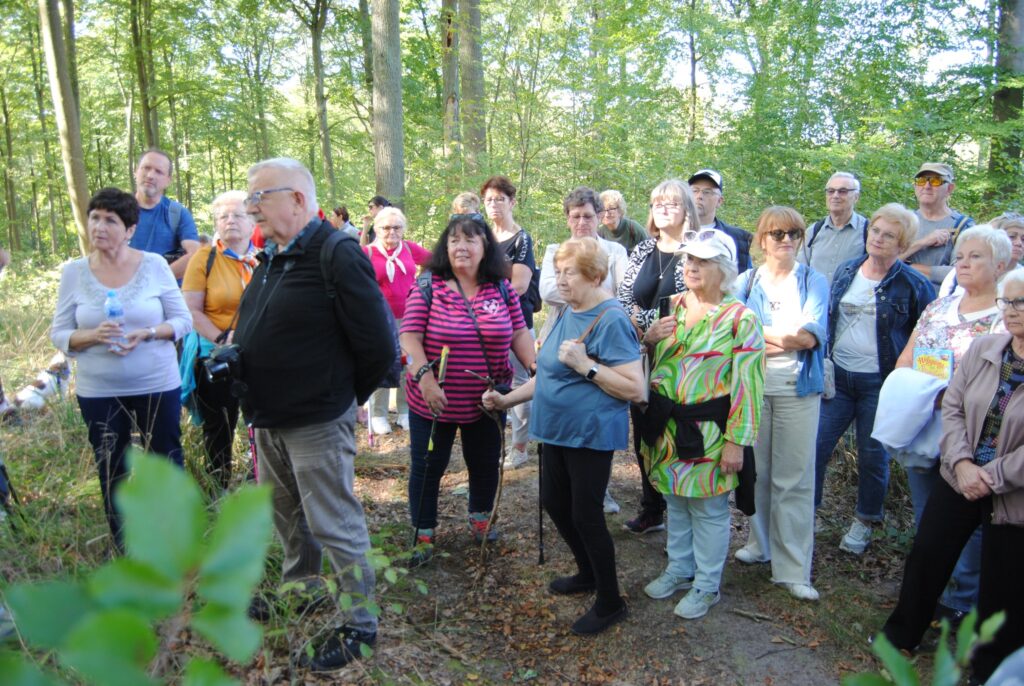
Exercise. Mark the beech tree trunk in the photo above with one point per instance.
(37, 83)
(67, 116)
(136, 17)
(450, 76)
(388, 150)
(471, 75)
(1004, 155)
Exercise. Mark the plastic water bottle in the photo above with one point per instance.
(114, 311)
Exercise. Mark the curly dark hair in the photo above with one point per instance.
(493, 266)
(115, 200)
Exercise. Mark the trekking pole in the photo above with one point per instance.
(540, 503)
(442, 370)
(497, 417)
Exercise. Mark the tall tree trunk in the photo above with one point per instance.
(10, 199)
(72, 50)
(67, 116)
(471, 75)
(316, 28)
(366, 38)
(450, 76)
(389, 156)
(136, 12)
(175, 147)
(37, 82)
(692, 44)
(1004, 155)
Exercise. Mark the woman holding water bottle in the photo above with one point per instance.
(119, 312)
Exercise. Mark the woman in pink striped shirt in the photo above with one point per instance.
(394, 262)
(472, 308)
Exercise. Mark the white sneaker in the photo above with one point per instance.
(380, 425)
(748, 558)
(516, 458)
(801, 591)
(667, 584)
(403, 421)
(610, 506)
(696, 603)
(857, 538)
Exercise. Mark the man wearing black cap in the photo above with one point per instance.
(931, 253)
(706, 185)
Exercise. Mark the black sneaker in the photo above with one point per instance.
(344, 645)
(593, 623)
(645, 523)
(570, 585)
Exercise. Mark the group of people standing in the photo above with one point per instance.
(723, 369)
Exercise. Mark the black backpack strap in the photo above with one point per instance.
(209, 260)
(815, 230)
(326, 258)
(425, 284)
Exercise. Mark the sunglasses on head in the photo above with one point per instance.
(474, 217)
(779, 234)
(704, 234)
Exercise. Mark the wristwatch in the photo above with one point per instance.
(152, 333)
(591, 373)
(420, 372)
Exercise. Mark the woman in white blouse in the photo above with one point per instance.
(127, 374)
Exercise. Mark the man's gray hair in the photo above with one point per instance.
(303, 179)
(847, 175)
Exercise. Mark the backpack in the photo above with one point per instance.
(393, 377)
(532, 295)
(425, 284)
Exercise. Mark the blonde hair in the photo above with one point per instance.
(612, 197)
(673, 190)
(587, 256)
(777, 217)
(466, 203)
(898, 214)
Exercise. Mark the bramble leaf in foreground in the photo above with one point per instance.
(112, 648)
(229, 629)
(164, 517)
(206, 673)
(45, 613)
(17, 671)
(903, 673)
(127, 583)
(237, 548)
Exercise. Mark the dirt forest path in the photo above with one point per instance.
(494, 622)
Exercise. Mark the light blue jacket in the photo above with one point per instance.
(814, 304)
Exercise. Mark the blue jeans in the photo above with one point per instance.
(110, 421)
(962, 590)
(481, 450)
(856, 399)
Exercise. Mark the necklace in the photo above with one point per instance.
(661, 269)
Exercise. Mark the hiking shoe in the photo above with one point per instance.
(478, 525)
(748, 558)
(403, 421)
(344, 645)
(593, 623)
(645, 523)
(610, 506)
(955, 617)
(667, 584)
(424, 550)
(380, 425)
(571, 585)
(857, 538)
(516, 458)
(696, 603)
(801, 591)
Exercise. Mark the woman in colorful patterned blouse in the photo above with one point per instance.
(707, 385)
(982, 485)
(474, 310)
(950, 324)
(394, 262)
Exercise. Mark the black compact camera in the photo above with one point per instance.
(224, 363)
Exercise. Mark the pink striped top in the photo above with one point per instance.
(449, 324)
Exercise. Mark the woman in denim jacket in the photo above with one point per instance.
(874, 306)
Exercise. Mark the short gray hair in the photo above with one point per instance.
(613, 197)
(847, 175)
(388, 213)
(726, 266)
(226, 197)
(1014, 276)
(997, 240)
(304, 178)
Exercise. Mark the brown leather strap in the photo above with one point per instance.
(586, 332)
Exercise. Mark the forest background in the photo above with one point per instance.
(420, 99)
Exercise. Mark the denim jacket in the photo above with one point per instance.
(814, 304)
(900, 298)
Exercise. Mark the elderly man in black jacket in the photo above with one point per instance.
(309, 354)
(706, 185)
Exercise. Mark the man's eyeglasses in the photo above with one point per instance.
(1016, 303)
(663, 206)
(257, 197)
(577, 218)
(704, 192)
(779, 234)
(495, 200)
(841, 192)
(933, 181)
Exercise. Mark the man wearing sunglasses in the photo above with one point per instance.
(931, 252)
(841, 235)
(706, 185)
